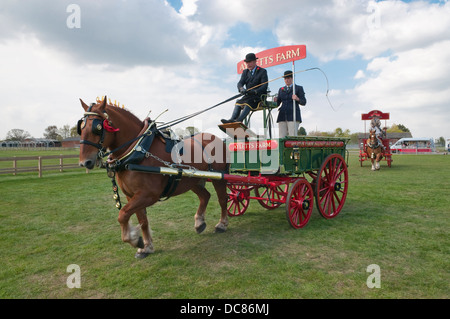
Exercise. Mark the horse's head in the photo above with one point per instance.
(93, 129)
(372, 136)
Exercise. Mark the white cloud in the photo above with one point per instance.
(359, 75)
(411, 83)
(189, 8)
(116, 32)
(41, 87)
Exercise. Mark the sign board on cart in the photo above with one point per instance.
(276, 56)
(372, 114)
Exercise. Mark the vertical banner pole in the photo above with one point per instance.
(293, 101)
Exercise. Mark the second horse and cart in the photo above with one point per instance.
(375, 146)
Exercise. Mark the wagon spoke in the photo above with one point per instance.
(333, 202)
(339, 172)
(328, 202)
(338, 199)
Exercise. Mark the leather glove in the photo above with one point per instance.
(242, 90)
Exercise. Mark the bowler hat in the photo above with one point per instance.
(287, 74)
(250, 57)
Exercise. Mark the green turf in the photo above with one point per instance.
(397, 218)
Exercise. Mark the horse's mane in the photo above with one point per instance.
(123, 112)
(110, 107)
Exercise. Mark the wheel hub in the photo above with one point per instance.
(305, 205)
(337, 187)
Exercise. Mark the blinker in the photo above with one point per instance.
(97, 126)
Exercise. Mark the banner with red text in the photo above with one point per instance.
(276, 56)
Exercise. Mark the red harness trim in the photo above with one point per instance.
(108, 127)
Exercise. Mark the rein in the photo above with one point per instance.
(129, 142)
(187, 117)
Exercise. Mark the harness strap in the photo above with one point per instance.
(99, 146)
(145, 131)
(171, 186)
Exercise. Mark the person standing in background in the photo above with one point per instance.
(286, 97)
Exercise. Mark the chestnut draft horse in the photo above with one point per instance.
(108, 128)
(374, 150)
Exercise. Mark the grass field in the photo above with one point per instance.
(397, 218)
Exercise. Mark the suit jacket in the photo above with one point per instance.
(285, 112)
(249, 81)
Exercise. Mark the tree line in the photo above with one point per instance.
(52, 132)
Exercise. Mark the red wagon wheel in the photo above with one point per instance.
(388, 157)
(362, 157)
(299, 204)
(238, 199)
(331, 186)
(271, 197)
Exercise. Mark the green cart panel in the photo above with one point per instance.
(286, 156)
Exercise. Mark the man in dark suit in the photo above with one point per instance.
(286, 98)
(251, 77)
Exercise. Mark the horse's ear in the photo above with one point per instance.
(85, 107)
(103, 104)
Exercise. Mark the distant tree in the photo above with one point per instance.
(398, 128)
(403, 128)
(51, 133)
(354, 138)
(315, 133)
(73, 131)
(394, 129)
(17, 135)
(440, 141)
(302, 131)
(341, 133)
(319, 133)
(338, 132)
(64, 131)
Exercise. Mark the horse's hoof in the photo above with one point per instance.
(140, 243)
(219, 230)
(141, 255)
(200, 228)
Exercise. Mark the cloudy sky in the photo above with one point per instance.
(181, 55)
